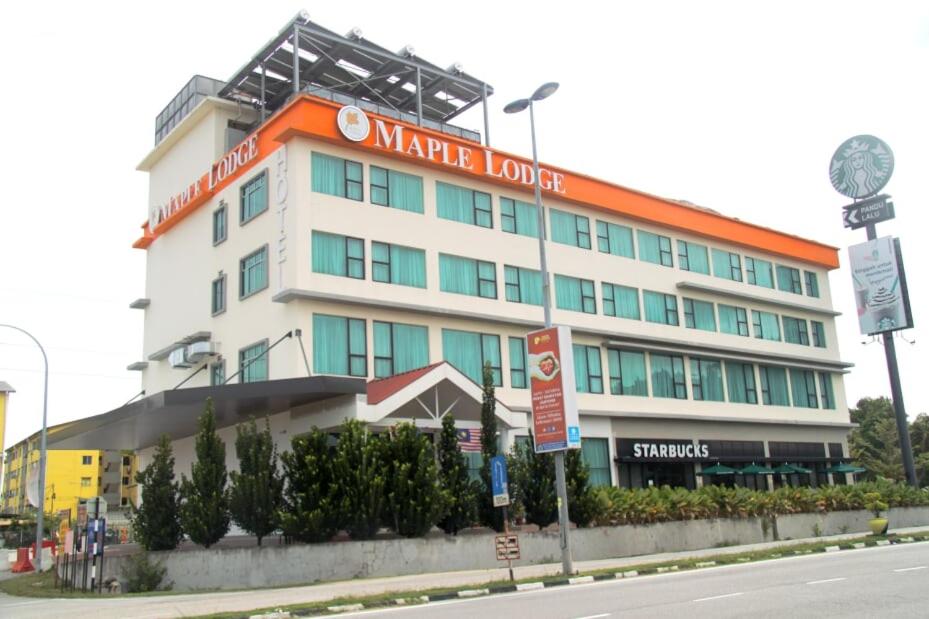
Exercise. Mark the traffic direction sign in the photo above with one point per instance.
(507, 547)
(499, 483)
(871, 211)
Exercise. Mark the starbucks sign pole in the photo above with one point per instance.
(860, 169)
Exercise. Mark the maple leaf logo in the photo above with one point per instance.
(351, 118)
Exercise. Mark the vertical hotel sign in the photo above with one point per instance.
(555, 422)
(880, 286)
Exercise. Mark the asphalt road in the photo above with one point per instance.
(891, 581)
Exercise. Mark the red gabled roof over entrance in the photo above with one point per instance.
(382, 388)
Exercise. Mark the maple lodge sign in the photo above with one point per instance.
(354, 125)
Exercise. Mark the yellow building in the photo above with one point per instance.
(5, 391)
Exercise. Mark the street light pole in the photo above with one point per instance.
(40, 509)
(542, 92)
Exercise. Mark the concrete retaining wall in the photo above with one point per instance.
(234, 568)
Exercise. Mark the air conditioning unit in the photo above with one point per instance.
(197, 351)
(178, 358)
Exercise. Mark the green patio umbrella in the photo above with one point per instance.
(718, 469)
(790, 469)
(755, 469)
(841, 467)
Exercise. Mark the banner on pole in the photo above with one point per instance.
(555, 423)
(880, 286)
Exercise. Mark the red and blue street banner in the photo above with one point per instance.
(555, 423)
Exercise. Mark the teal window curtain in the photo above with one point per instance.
(406, 191)
(795, 331)
(335, 254)
(615, 239)
(699, 315)
(474, 461)
(819, 334)
(774, 390)
(569, 229)
(399, 348)
(455, 203)
(486, 279)
(339, 345)
(327, 174)
(568, 293)
(588, 371)
(827, 395)
(620, 301)
(740, 380)
(803, 388)
(648, 247)
(253, 197)
(595, 454)
(788, 279)
(706, 379)
(219, 225)
(660, 308)
(766, 326)
(627, 372)
(812, 284)
(693, 257)
(253, 363)
(490, 349)
(217, 373)
(732, 320)
(396, 264)
(668, 376)
(518, 376)
(759, 272)
(519, 217)
(523, 285)
(468, 351)
(727, 265)
(253, 272)
(457, 274)
(218, 296)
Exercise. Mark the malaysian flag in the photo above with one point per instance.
(469, 440)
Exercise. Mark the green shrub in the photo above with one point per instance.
(142, 575)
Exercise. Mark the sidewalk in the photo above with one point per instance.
(184, 605)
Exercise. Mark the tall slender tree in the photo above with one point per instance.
(453, 478)
(156, 523)
(310, 511)
(582, 501)
(415, 502)
(535, 484)
(490, 515)
(358, 468)
(204, 499)
(255, 489)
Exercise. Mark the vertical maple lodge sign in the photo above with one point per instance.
(555, 423)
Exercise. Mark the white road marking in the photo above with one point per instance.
(718, 597)
(595, 616)
(910, 569)
(819, 582)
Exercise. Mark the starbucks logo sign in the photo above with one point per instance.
(861, 166)
(353, 123)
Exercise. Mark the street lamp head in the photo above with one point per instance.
(544, 91)
(516, 106)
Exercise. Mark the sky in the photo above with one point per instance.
(730, 105)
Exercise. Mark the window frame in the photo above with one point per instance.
(580, 236)
(741, 320)
(221, 365)
(585, 298)
(618, 376)
(696, 379)
(265, 355)
(242, 294)
(690, 317)
(263, 177)
(223, 214)
(758, 328)
(684, 249)
(218, 308)
(604, 238)
(611, 299)
(668, 312)
(796, 285)
(591, 377)
(678, 386)
(748, 377)
(811, 284)
(516, 286)
(818, 335)
(349, 182)
(765, 385)
(802, 328)
(524, 381)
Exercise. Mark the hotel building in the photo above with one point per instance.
(322, 244)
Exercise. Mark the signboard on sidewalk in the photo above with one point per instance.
(871, 211)
(555, 423)
(507, 547)
(880, 286)
(499, 483)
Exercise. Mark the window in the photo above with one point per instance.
(219, 225)
(727, 265)
(621, 301)
(87, 460)
(127, 461)
(699, 315)
(218, 295)
(812, 284)
(788, 279)
(336, 177)
(627, 372)
(795, 331)
(339, 345)
(85, 482)
(615, 239)
(519, 217)
(469, 351)
(335, 254)
(803, 388)
(467, 276)
(819, 334)
(595, 453)
(518, 378)
(253, 198)
(668, 376)
(123, 501)
(217, 375)
(588, 372)
(523, 285)
(660, 307)
(655, 248)
(740, 380)
(464, 205)
(569, 229)
(766, 326)
(827, 396)
(693, 257)
(399, 348)
(125, 481)
(774, 389)
(396, 190)
(253, 272)
(758, 272)
(733, 320)
(572, 293)
(253, 363)
(396, 264)
(706, 379)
